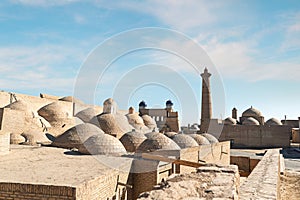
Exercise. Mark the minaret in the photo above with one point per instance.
(234, 113)
(206, 110)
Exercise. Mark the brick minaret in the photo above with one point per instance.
(206, 110)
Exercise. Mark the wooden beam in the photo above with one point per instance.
(171, 160)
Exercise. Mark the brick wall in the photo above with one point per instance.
(243, 136)
(17, 191)
(263, 182)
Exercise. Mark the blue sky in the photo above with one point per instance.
(254, 45)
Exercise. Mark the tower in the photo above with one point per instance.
(234, 113)
(206, 109)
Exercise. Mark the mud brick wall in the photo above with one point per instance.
(263, 182)
(18, 191)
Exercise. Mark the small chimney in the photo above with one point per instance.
(234, 113)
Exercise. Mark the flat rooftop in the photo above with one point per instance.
(55, 166)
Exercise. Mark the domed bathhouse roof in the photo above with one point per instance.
(273, 121)
(151, 134)
(34, 137)
(71, 99)
(76, 136)
(149, 122)
(55, 111)
(132, 140)
(20, 105)
(210, 138)
(251, 112)
(102, 144)
(107, 123)
(250, 121)
(157, 141)
(184, 141)
(87, 114)
(137, 122)
(230, 121)
(170, 134)
(200, 139)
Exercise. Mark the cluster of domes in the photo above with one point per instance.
(251, 117)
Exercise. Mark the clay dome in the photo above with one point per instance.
(230, 121)
(132, 140)
(34, 137)
(87, 114)
(157, 141)
(16, 138)
(55, 111)
(184, 141)
(200, 139)
(136, 121)
(250, 121)
(149, 122)
(273, 121)
(76, 136)
(102, 144)
(20, 105)
(151, 134)
(71, 99)
(210, 138)
(251, 112)
(170, 134)
(107, 123)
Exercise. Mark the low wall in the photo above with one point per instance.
(263, 182)
(245, 164)
(34, 192)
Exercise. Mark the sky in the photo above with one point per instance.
(252, 49)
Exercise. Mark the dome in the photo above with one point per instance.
(132, 140)
(142, 104)
(151, 134)
(149, 122)
(251, 112)
(184, 141)
(20, 105)
(170, 134)
(200, 139)
(210, 138)
(71, 99)
(35, 137)
(157, 141)
(87, 114)
(102, 144)
(107, 123)
(250, 121)
(16, 138)
(230, 121)
(273, 121)
(55, 111)
(169, 103)
(76, 136)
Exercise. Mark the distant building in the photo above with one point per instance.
(250, 131)
(165, 118)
